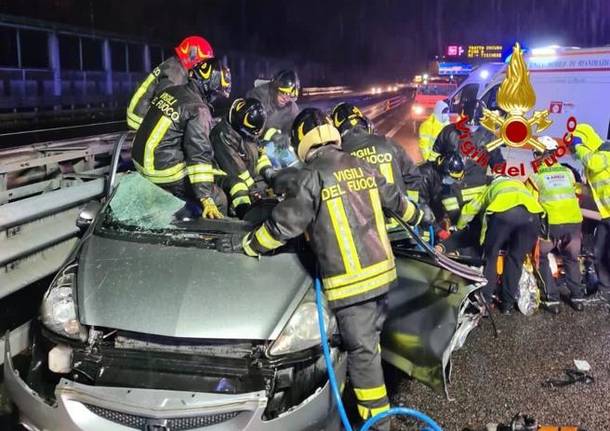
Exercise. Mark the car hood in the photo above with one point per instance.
(187, 291)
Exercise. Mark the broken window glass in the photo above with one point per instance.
(140, 204)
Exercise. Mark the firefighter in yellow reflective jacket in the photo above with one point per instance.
(173, 71)
(430, 129)
(389, 158)
(594, 154)
(555, 188)
(455, 191)
(172, 147)
(237, 153)
(339, 205)
(511, 220)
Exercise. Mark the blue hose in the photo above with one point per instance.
(431, 425)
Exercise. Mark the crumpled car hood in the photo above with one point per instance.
(186, 291)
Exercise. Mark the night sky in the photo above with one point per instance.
(385, 38)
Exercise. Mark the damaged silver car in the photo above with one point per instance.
(148, 327)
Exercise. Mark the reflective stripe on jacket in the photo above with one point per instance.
(339, 205)
(597, 171)
(555, 188)
(428, 131)
(385, 155)
(167, 74)
(501, 195)
(173, 141)
(240, 159)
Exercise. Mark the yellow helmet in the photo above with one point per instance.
(312, 128)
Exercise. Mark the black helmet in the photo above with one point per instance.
(287, 82)
(312, 128)
(453, 166)
(212, 78)
(347, 116)
(247, 117)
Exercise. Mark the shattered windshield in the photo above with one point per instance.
(138, 204)
(141, 207)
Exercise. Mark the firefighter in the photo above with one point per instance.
(339, 205)
(555, 188)
(594, 154)
(512, 220)
(279, 97)
(358, 139)
(469, 139)
(430, 129)
(173, 71)
(455, 191)
(389, 158)
(237, 153)
(172, 147)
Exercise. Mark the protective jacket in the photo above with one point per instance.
(277, 118)
(339, 207)
(173, 140)
(448, 142)
(240, 159)
(501, 195)
(428, 131)
(386, 155)
(555, 188)
(167, 74)
(427, 188)
(454, 196)
(597, 171)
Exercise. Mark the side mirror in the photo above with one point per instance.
(87, 215)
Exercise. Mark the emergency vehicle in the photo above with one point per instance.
(568, 82)
(426, 96)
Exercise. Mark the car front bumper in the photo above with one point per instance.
(98, 408)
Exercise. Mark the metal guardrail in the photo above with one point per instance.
(323, 91)
(380, 108)
(37, 220)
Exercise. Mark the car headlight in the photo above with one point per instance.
(302, 330)
(58, 310)
(417, 109)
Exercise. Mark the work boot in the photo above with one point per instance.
(506, 309)
(598, 297)
(578, 304)
(552, 307)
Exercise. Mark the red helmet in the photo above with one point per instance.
(193, 50)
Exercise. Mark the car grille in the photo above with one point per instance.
(169, 424)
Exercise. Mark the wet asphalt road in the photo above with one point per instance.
(494, 379)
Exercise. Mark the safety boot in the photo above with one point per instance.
(552, 307)
(578, 304)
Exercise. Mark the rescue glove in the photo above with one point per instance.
(428, 215)
(230, 243)
(210, 210)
